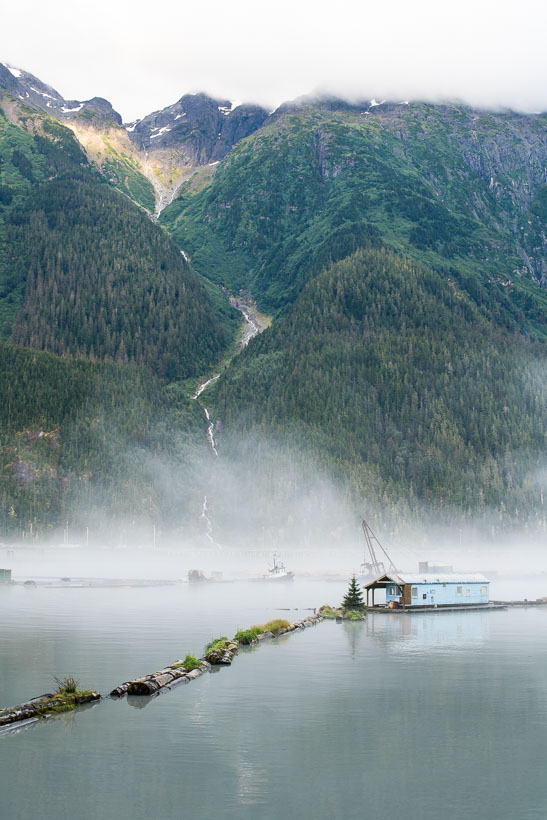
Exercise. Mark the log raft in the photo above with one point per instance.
(311, 620)
(222, 655)
(163, 680)
(44, 706)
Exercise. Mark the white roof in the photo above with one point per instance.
(417, 578)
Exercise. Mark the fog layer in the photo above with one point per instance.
(488, 54)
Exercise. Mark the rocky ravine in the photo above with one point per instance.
(167, 147)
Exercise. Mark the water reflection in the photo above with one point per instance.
(444, 631)
(397, 715)
(353, 631)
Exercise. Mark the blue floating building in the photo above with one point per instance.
(413, 590)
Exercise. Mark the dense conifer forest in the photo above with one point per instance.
(103, 282)
(388, 375)
(107, 446)
(86, 275)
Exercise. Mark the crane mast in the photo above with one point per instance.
(373, 566)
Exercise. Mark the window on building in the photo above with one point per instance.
(484, 590)
(414, 592)
(459, 590)
(424, 596)
(393, 591)
(468, 592)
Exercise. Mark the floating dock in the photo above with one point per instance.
(493, 605)
(411, 610)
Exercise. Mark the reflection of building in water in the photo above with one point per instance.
(412, 590)
(453, 632)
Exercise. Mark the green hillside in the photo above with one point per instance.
(443, 184)
(385, 375)
(401, 250)
(101, 445)
(84, 272)
(102, 281)
(101, 434)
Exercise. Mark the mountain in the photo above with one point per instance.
(447, 185)
(85, 272)
(389, 378)
(199, 128)
(150, 158)
(33, 92)
(95, 432)
(400, 249)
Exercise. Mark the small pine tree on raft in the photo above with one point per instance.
(353, 598)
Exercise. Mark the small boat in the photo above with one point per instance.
(277, 572)
(197, 576)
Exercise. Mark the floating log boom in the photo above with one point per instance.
(162, 680)
(45, 705)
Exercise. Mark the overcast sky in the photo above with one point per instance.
(144, 56)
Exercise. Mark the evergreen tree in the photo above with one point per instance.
(353, 598)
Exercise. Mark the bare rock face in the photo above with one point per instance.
(199, 128)
(29, 90)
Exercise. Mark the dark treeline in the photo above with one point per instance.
(102, 281)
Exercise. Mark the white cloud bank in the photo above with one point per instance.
(143, 56)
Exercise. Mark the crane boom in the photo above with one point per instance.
(373, 566)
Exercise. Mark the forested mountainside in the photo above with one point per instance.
(100, 445)
(103, 282)
(401, 249)
(446, 185)
(388, 375)
(85, 274)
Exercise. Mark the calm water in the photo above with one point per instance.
(423, 716)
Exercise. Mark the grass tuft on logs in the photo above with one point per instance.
(67, 685)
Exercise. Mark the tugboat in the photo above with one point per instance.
(277, 572)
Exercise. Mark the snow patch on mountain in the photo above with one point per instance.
(160, 131)
(41, 93)
(15, 71)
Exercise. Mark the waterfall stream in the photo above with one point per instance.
(254, 326)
